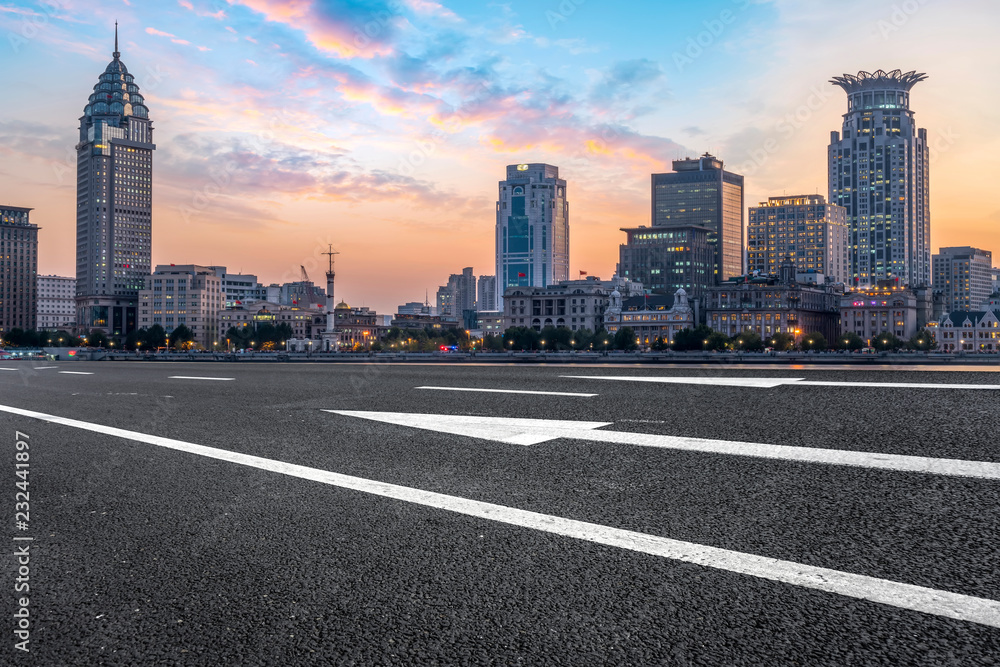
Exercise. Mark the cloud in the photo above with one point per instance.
(173, 38)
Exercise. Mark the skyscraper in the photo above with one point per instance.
(19, 270)
(878, 171)
(803, 227)
(532, 233)
(486, 294)
(114, 202)
(964, 275)
(699, 192)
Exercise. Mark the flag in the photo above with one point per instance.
(239, 303)
(522, 275)
(583, 273)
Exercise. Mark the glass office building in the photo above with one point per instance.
(804, 227)
(114, 202)
(701, 193)
(532, 231)
(878, 171)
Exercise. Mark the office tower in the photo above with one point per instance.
(56, 303)
(878, 171)
(458, 295)
(185, 294)
(18, 275)
(486, 294)
(532, 232)
(114, 202)
(804, 227)
(965, 276)
(701, 193)
(665, 260)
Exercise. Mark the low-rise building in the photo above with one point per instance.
(880, 310)
(574, 304)
(56, 303)
(969, 331)
(186, 294)
(305, 323)
(651, 317)
(357, 327)
(767, 306)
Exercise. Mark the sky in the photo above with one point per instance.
(382, 127)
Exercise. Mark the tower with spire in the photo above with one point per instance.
(114, 203)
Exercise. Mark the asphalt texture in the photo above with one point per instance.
(143, 555)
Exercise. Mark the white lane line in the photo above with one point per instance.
(536, 431)
(75, 373)
(43, 368)
(8, 369)
(511, 391)
(883, 591)
(770, 383)
(191, 377)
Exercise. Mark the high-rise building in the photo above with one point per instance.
(240, 288)
(701, 193)
(995, 273)
(665, 260)
(878, 171)
(185, 294)
(532, 232)
(18, 277)
(964, 276)
(803, 227)
(56, 303)
(458, 295)
(114, 202)
(486, 294)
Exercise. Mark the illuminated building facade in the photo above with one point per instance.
(532, 230)
(878, 171)
(114, 202)
(665, 260)
(964, 275)
(700, 193)
(18, 269)
(804, 227)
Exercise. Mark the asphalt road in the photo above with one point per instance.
(143, 554)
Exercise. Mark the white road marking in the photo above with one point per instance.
(904, 596)
(43, 368)
(770, 383)
(75, 373)
(536, 431)
(8, 369)
(511, 391)
(191, 377)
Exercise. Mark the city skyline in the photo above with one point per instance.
(349, 124)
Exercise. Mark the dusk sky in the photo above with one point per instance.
(383, 126)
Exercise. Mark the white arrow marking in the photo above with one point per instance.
(770, 383)
(510, 431)
(892, 593)
(510, 391)
(536, 431)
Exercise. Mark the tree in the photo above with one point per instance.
(692, 339)
(521, 338)
(813, 341)
(181, 335)
(850, 341)
(133, 341)
(748, 341)
(155, 337)
(493, 343)
(886, 342)
(625, 339)
(781, 341)
(659, 344)
(716, 342)
(582, 338)
(97, 338)
(602, 339)
(923, 341)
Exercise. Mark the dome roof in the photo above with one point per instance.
(342, 304)
(116, 93)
